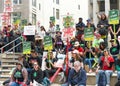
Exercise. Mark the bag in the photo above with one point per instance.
(46, 82)
(102, 79)
(114, 50)
(103, 31)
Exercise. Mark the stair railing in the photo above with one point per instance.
(13, 47)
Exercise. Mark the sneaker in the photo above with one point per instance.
(96, 85)
(107, 85)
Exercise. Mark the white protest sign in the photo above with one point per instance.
(29, 30)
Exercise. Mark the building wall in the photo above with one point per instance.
(43, 15)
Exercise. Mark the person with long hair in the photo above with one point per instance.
(36, 74)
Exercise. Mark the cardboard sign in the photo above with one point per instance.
(68, 21)
(89, 34)
(52, 19)
(48, 45)
(68, 32)
(26, 47)
(29, 30)
(8, 5)
(113, 17)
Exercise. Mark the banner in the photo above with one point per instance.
(113, 17)
(8, 5)
(89, 34)
(29, 30)
(26, 47)
(48, 45)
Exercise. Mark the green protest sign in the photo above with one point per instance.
(68, 21)
(89, 34)
(48, 43)
(113, 17)
(26, 47)
(52, 19)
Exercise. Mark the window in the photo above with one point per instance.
(113, 4)
(78, 7)
(102, 6)
(57, 1)
(33, 18)
(34, 3)
(39, 6)
(53, 11)
(57, 13)
(17, 1)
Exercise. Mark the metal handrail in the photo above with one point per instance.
(9, 44)
(13, 47)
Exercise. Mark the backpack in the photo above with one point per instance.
(103, 31)
(102, 79)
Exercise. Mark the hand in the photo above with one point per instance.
(101, 26)
(31, 84)
(10, 83)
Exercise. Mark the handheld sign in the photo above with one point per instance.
(68, 32)
(29, 30)
(48, 45)
(26, 47)
(89, 34)
(113, 17)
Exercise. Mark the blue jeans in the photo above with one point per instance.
(15, 84)
(88, 61)
(118, 75)
(108, 73)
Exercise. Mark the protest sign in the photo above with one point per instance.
(113, 17)
(26, 47)
(89, 34)
(48, 45)
(8, 5)
(29, 30)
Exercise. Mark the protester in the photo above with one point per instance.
(79, 48)
(51, 31)
(77, 75)
(80, 29)
(118, 67)
(106, 66)
(19, 76)
(36, 74)
(50, 64)
(103, 27)
(96, 42)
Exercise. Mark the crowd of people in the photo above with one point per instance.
(96, 54)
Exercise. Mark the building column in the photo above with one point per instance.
(95, 11)
(107, 7)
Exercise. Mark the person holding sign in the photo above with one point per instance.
(103, 27)
(51, 67)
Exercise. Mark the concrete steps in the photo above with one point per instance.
(8, 61)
